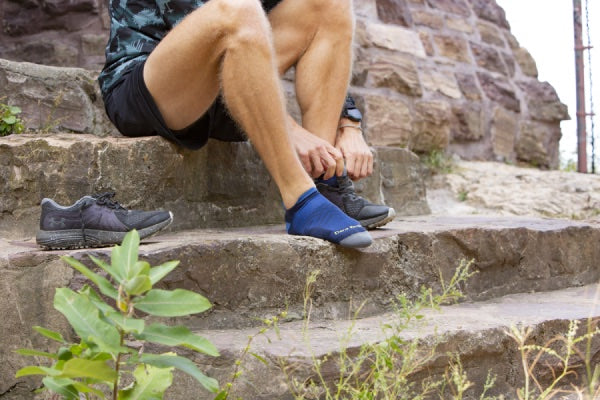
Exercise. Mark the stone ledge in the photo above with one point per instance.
(222, 185)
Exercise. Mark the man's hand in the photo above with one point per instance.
(356, 152)
(317, 156)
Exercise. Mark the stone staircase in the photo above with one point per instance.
(230, 239)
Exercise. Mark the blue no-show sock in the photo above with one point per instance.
(314, 215)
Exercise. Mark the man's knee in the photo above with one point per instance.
(337, 15)
(243, 18)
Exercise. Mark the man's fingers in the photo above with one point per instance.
(305, 160)
(329, 163)
(317, 167)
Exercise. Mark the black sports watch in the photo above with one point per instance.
(350, 111)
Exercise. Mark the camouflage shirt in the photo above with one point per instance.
(136, 27)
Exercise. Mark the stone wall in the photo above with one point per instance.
(429, 74)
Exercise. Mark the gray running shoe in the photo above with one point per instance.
(95, 221)
(343, 195)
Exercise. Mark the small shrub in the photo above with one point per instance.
(9, 120)
(111, 352)
(438, 162)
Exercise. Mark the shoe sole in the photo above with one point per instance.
(70, 239)
(378, 221)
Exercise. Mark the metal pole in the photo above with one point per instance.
(580, 83)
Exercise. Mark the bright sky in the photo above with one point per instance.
(545, 28)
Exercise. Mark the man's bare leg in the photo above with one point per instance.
(228, 39)
(320, 46)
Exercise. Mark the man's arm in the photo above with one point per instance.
(357, 154)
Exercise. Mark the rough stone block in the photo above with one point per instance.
(468, 86)
(431, 128)
(526, 62)
(388, 121)
(452, 47)
(394, 12)
(394, 38)
(500, 90)
(489, 10)
(490, 34)
(504, 128)
(397, 72)
(54, 98)
(467, 122)
(535, 144)
(489, 58)
(441, 82)
(451, 6)
(542, 101)
(458, 24)
(427, 45)
(428, 19)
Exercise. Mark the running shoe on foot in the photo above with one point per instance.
(95, 221)
(342, 194)
(314, 215)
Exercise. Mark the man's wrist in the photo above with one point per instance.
(350, 111)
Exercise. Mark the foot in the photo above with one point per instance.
(340, 191)
(313, 215)
(95, 221)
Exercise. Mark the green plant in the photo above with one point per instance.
(463, 195)
(381, 370)
(565, 351)
(438, 162)
(9, 120)
(111, 351)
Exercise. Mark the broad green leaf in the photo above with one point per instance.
(84, 318)
(96, 300)
(178, 336)
(138, 285)
(108, 268)
(14, 110)
(159, 272)
(11, 119)
(36, 353)
(103, 284)
(49, 334)
(182, 364)
(62, 386)
(150, 383)
(87, 389)
(80, 368)
(171, 303)
(34, 370)
(141, 268)
(129, 253)
(126, 324)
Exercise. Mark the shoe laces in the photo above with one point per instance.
(106, 199)
(346, 187)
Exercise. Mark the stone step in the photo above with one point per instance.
(252, 273)
(221, 185)
(476, 331)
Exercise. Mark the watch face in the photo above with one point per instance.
(353, 114)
